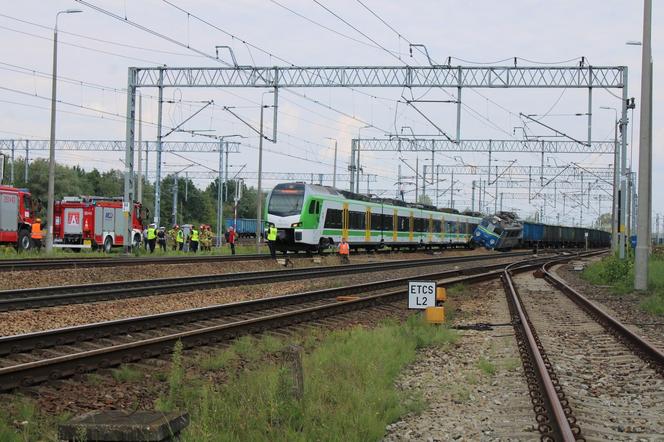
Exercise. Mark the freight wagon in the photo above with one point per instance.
(543, 235)
(95, 222)
(245, 227)
(16, 217)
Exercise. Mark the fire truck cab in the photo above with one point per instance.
(95, 222)
(15, 217)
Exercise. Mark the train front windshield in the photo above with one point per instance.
(286, 200)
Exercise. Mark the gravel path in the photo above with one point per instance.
(625, 308)
(43, 278)
(25, 321)
(613, 394)
(465, 401)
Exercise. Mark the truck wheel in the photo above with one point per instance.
(137, 241)
(108, 244)
(24, 242)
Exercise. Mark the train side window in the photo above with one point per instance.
(376, 221)
(357, 220)
(314, 207)
(333, 218)
(403, 224)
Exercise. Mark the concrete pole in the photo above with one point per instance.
(472, 199)
(51, 157)
(645, 155)
(128, 197)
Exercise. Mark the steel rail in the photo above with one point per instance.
(71, 294)
(642, 347)
(558, 423)
(75, 263)
(44, 339)
(24, 374)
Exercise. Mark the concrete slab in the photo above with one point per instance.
(124, 426)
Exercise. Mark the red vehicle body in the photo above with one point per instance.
(15, 217)
(91, 221)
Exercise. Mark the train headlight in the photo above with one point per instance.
(296, 224)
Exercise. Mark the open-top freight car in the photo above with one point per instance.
(312, 217)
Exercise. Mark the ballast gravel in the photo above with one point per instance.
(90, 275)
(25, 321)
(475, 391)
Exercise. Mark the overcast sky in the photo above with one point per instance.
(96, 49)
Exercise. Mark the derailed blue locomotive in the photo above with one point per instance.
(503, 232)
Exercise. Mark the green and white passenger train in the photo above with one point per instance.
(311, 217)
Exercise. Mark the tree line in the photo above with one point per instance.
(194, 205)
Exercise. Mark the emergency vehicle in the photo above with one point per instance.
(15, 217)
(94, 222)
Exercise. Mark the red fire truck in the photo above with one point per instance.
(93, 222)
(15, 217)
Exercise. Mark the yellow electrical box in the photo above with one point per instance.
(441, 294)
(435, 315)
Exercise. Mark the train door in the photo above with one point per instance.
(395, 225)
(367, 225)
(345, 218)
(430, 228)
(411, 227)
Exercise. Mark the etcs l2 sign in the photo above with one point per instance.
(421, 294)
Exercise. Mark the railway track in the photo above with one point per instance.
(9, 265)
(588, 375)
(75, 294)
(53, 354)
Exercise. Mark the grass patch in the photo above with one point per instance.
(21, 421)
(486, 366)
(510, 364)
(220, 360)
(619, 274)
(654, 304)
(457, 290)
(349, 389)
(127, 374)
